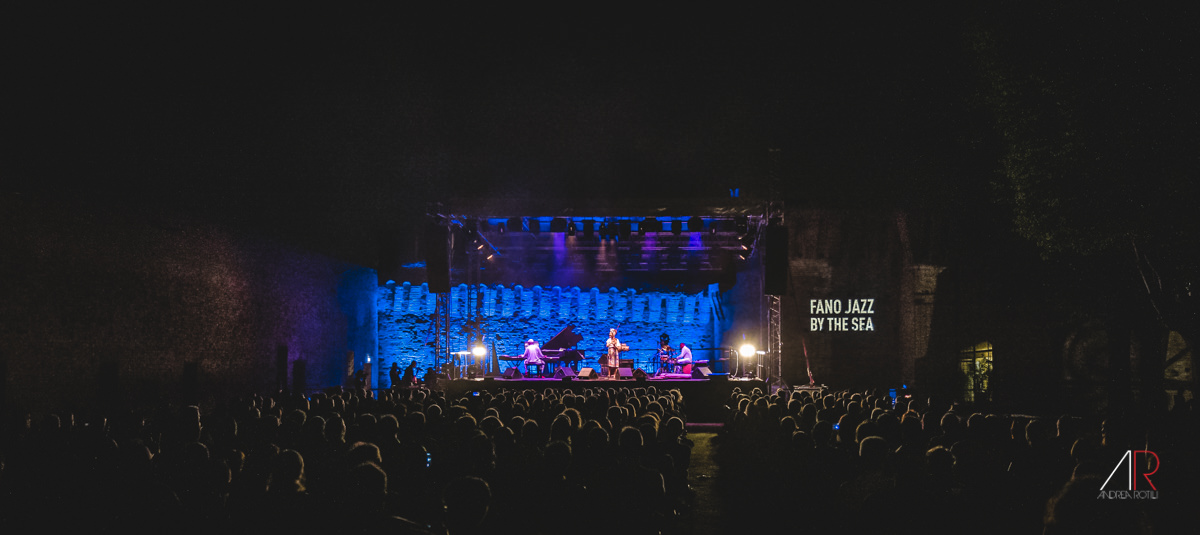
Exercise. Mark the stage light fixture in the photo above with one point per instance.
(746, 350)
(478, 351)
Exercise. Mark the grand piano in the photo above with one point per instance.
(558, 350)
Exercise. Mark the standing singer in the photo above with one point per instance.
(615, 347)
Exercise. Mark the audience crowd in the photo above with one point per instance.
(405, 460)
(608, 459)
(860, 463)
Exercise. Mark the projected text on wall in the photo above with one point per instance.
(841, 315)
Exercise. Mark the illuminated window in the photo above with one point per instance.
(975, 362)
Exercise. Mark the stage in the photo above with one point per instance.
(705, 398)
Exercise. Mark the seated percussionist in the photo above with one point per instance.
(683, 363)
(665, 362)
(533, 356)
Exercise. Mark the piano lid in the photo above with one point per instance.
(564, 339)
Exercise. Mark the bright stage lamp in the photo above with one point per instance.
(746, 350)
(479, 351)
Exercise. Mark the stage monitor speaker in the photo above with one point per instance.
(639, 374)
(437, 258)
(587, 373)
(625, 373)
(564, 372)
(701, 372)
(512, 373)
(775, 260)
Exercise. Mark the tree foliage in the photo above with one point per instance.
(1097, 130)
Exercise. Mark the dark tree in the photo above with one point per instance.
(1097, 128)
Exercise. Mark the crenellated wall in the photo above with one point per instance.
(513, 314)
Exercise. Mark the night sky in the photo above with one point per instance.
(322, 124)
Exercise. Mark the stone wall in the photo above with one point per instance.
(513, 314)
(102, 306)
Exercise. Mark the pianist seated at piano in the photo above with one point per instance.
(683, 363)
(534, 359)
(557, 351)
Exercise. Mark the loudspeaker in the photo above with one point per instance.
(775, 260)
(639, 375)
(299, 376)
(587, 373)
(512, 373)
(281, 354)
(191, 382)
(625, 373)
(437, 258)
(564, 372)
(701, 372)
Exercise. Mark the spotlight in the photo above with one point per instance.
(746, 350)
(571, 229)
(478, 351)
(747, 241)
